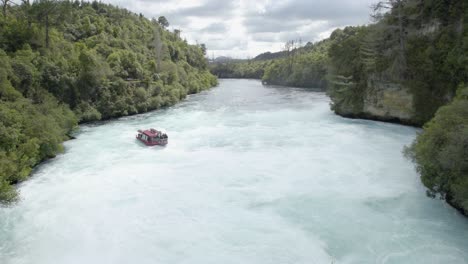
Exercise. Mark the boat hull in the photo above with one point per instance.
(159, 142)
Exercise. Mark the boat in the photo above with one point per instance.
(152, 137)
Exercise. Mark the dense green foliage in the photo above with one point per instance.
(64, 62)
(243, 69)
(347, 72)
(297, 66)
(441, 152)
(303, 67)
(32, 122)
(421, 45)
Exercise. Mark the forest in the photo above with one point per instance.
(417, 45)
(240, 69)
(295, 65)
(416, 52)
(441, 152)
(69, 62)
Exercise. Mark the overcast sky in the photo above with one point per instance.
(246, 28)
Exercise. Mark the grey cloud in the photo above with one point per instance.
(307, 35)
(319, 9)
(262, 26)
(268, 24)
(284, 15)
(209, 8)
(215, 28)
(179, 16)
(220, 43)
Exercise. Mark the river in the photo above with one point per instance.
(251, 174)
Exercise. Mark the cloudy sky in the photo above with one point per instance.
(246, 28)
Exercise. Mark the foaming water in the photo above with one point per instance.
(251, 174)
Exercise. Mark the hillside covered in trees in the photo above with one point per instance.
(240, 69)
(296, 65)
(300, 67)
(65, 62)
(404, 68)
(441, 152)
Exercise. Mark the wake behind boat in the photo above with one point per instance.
(152, 137)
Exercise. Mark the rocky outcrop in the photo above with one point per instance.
(428, 28)
(382, 101)
(389, 102)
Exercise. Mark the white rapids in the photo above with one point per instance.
(251, 174)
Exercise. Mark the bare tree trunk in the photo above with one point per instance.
(288, 47)
(157, 43)
(401, 34)
(47, 30)
(4, 7)
(400, 26)
(28, 12)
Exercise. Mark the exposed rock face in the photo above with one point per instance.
(429, 28)
(382, 101)
(397, 75)
(388, 102)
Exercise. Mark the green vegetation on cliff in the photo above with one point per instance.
(348, 73)
(405, 68)
(303, 67)
(64, 62)
(441, 152)
(240, 69)
(417, 46)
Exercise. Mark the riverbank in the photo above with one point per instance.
(392, 120)
(9, 195)
(325, 184)
(96, 63)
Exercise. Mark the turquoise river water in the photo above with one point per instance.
(251, 174)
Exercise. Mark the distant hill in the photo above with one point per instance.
(303, 66)
(281, 54)
(222, 59)
(225, 59)
(270, 55)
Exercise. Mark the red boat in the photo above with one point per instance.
(152, 137)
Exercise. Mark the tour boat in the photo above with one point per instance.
(152, 137)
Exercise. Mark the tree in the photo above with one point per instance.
(290, 50)
(203, 48)
(158, 45)
(50, 12)
(163, 21)
(396, 6)
(27, 10)
(5, 6)
(177, 33)
(441, 150)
